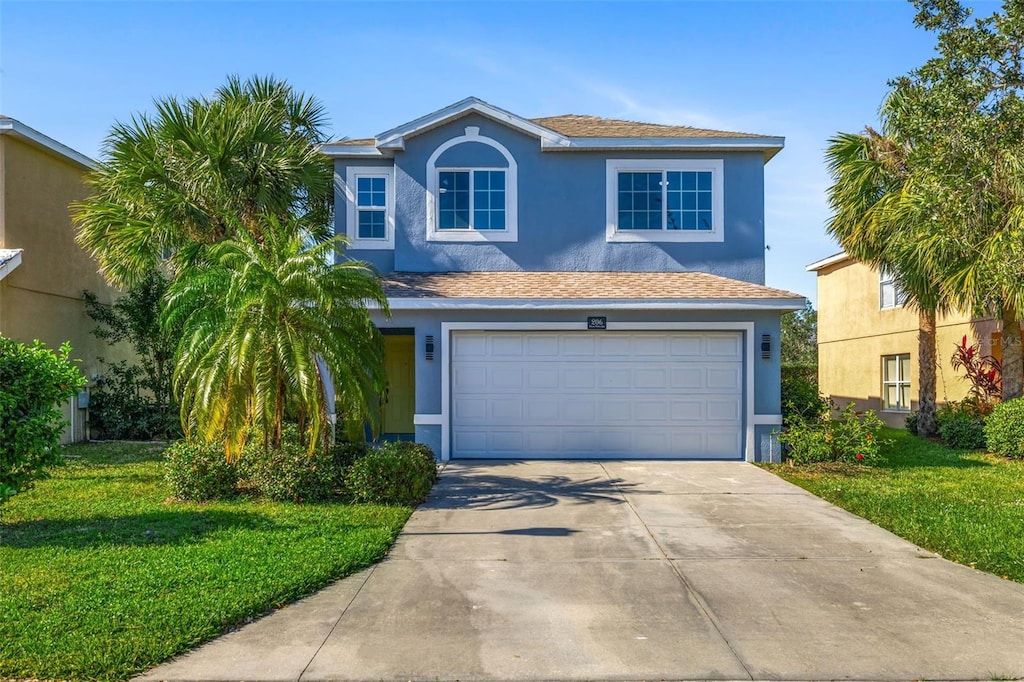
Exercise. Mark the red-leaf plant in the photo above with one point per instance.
(983, 371)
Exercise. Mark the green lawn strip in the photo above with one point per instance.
(102, 576)
(965, 506)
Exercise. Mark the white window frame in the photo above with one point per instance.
(715, 166)
(472, 191)
(511, 231)
(899, 382)
(887, 279)
(350, 188)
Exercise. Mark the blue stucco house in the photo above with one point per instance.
(569, 287)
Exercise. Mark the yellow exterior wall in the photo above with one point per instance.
(854, 334)
(42, 298)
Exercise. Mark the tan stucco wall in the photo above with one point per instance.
(42, 298)
(854, 334)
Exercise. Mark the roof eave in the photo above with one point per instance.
(8, 266)
(395, 137)
(10, 126)
(769, 146)
(834, 259)
(336, 150)
(439, 303)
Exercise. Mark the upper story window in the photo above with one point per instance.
(370, 215)
(471, 199)
(472, 204)
(665, 200)
(890, 295)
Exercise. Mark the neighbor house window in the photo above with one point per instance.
(658, 200)
(471, 199)
(896, 382)
(370, 217)
(890, 295)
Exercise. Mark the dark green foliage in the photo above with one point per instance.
(799, 344)
(800, 396)
(33, 382)
(290, 473)
(911, 423)
(1004, 429)
(135, 401)
(962, 424)
(199, 471)
(393, 474)
(853, 438)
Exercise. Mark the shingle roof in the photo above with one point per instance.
(577, 125)
(8, 254)
(682, 286)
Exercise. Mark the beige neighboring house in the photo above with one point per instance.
(42, 270)
(867, 341)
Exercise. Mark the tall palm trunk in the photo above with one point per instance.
(926, 352)
(1013, 362)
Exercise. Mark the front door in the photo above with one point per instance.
(400, 399)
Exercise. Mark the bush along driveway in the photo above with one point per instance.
(103, 576)
(967, 506)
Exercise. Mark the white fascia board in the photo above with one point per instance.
(8, 266)
(340, 151)
(10, 126)
(770, 146)
(400, 303)
(825, 262)
(395, 138)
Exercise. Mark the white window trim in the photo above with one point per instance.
(511, 231)
(898, 382)
(715, 166)
(349, 188)
(898, 297)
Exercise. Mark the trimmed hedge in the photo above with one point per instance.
(393, 474)
(1004, 429)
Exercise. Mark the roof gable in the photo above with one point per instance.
(10, 126)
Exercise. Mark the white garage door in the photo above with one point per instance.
(597, 394)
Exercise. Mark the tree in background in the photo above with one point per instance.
(232, 190)
(800, 337)
(34, 381)
(871, 180)
(135, 400)
(963, 117)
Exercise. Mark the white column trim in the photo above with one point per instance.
(426, 419)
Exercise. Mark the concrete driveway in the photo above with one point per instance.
(634, 571)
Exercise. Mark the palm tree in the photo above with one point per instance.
(200, 171)
(258, 317)
(871, 180)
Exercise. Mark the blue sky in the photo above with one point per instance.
(803, 70)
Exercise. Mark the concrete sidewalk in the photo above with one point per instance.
(633, 571)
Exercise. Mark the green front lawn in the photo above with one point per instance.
(101, 576)
(966, 506)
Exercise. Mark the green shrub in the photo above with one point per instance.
(394, 474)
(852, 438)
(962, 424)
(800, 397)
(199, 471)
(33, 383)
(910, 423)
(291, 473)
(1004, 429)
(119, 409)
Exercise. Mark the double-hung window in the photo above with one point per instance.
(665, 200)
(890, 295)
(896, 382)
(471, 199)
(370, 215)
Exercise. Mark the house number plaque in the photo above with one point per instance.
(597, 323)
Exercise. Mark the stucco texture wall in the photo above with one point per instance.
(42, 299)
(562, 212)
(854, 335)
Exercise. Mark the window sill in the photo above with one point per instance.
(370, 244)
(473, 236)
(666, 236)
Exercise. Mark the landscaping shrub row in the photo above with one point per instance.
(973, 424)
(399, 473)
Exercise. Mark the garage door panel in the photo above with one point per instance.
(581, 394)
